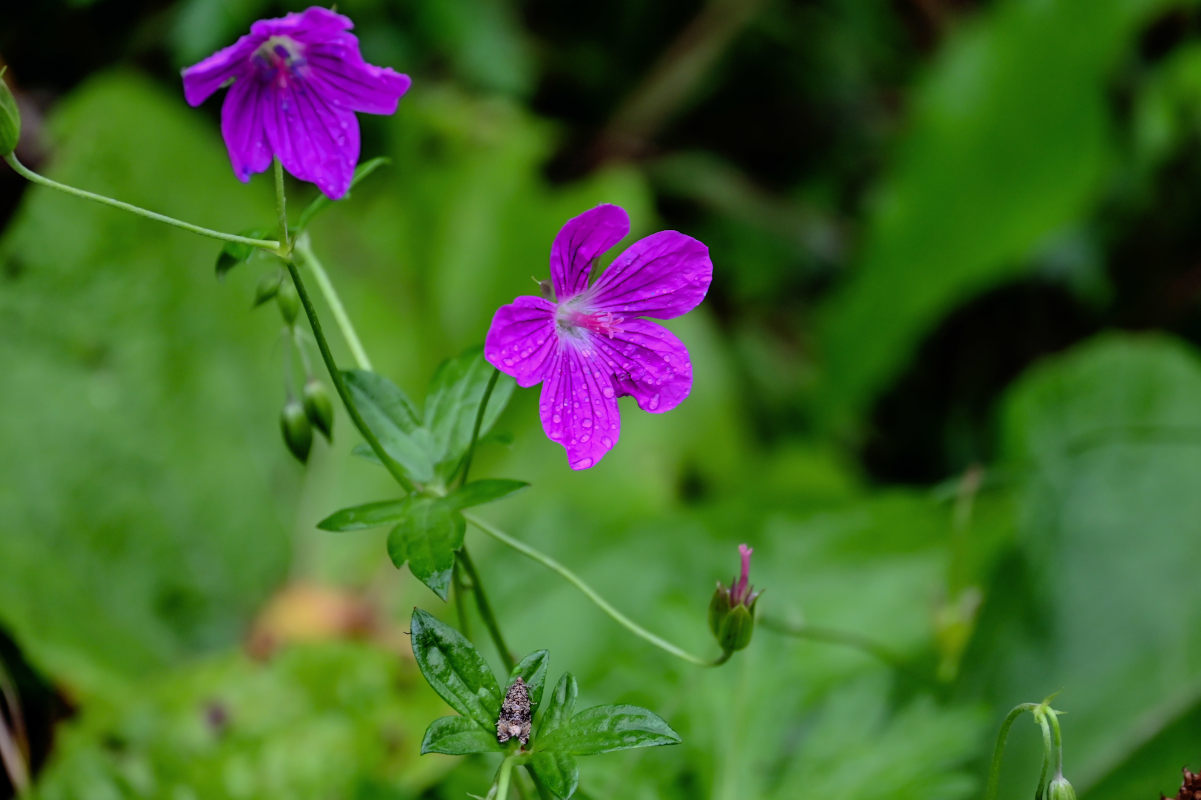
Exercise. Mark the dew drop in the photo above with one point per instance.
(607, 391)
(587, 423)
(583, 463)
(654, 402)
(585, 438)
(557, 418)
(607, 442)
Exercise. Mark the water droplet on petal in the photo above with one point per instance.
(607, 391)
(583, 463)
(654, 402)
(587, 423)
(607, 442)
(557, 418)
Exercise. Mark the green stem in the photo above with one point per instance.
(479, 420)
(34, 177)
(1058, 739)
(858, 641)
(456, 578)
(604, 605)
(1040, 717)
(994, 769)
(500, 789)
(305, 251)
(281, 205)
(335, 375)
(485, 609)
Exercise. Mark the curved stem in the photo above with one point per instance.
(305, 251)
(34, 177)
(335, 375)
(1057, 738)
(994, 768)
(604, 605)
(1040, 716)
(858, 641)
(479, 420)
(485, 609)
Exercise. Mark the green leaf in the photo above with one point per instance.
(234, 253)
(993, 135)
(455, 670)
(561, 705)
(320, 202)
(363, 450)
(558, 771)
(454, 399)
(458, 736)
(1102, 597)
(391, 417)
(368, 515)
(532, 670)
(427, 538)
(479, 492)
(604, 729)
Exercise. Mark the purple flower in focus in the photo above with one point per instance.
(590, 345)
(296, 82)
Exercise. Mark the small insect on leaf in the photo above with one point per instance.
(514, 720)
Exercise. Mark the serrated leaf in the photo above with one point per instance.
(321, 202)
(455, 670)
(604, 729)
(234, 253)
(453, 401)
(561, 705)
(458, 736)
(532, 670)
(368, 515)
(391, 417)
(479, 492)
(426, 539)
(558, 771)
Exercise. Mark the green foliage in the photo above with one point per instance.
(484, 491)
(461, 677)
(315, 721)
(1002, 150)
(427, 537)
(129, 540)
(234, 253)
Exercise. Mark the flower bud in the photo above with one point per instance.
(732, 610)
(298, 433)
(10, 118)
(267, 289)
(288, 301)
(318, 407)
(1060, 789)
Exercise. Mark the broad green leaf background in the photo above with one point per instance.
(947, 384)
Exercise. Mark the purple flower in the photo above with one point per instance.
(592, 346)
(296, 82)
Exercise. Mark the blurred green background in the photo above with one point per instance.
(947, 385)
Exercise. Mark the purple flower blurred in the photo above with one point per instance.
(590, 346)
(296, 82)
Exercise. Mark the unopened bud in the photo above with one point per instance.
(298, 433)
(267, 289)
(1060, 789)
(732, 610)
(318, 407)
(10, 118)
(288, 301)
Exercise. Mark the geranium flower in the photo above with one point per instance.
(590, 345)
(296, 82)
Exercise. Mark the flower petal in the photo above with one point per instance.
(338, 70)
(664, 275)
(313, 141)
(243, 129)
(202, 79)
(580, 242)
(521, 341)
(648, 363)
(579, 406)
(312, 24)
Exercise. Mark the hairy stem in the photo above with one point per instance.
(305, 251)
(603, 604)
(485, 609)
(335, 376)
(858, 641)
(475, 431)
(281, 206)
(33, 177)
